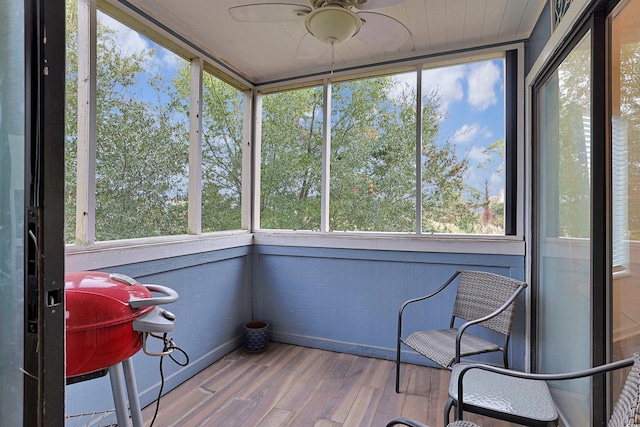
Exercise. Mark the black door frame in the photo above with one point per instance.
(44, 378)
(595, 21)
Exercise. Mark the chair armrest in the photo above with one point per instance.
(405, 422)
(411, 301)
(540, 377)
(500, 309)
(437, 291)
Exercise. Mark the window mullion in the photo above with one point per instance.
(419, 150)
(247, 155)
(195, 147)
(86, 143)
(257, 158)
(326, 156)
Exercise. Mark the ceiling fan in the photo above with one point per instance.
(331, 22)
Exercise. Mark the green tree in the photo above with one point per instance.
(372, 162)
(629, 126)
(141, 144)
(291, 160)
(445, 209)
(574, 147)
(492, 205)
(373, 156)
(71, 120)
(222, 130)
(142, 147)
(142, 153)
(222, 123)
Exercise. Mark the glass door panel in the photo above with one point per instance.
(11, 209)
(563, 224)
(625, 149)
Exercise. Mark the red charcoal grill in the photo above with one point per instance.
(108, 320)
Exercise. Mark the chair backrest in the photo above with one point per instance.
(481, 293)
(627, 409)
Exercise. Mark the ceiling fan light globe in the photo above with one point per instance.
(333, 24)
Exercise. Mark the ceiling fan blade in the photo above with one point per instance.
(382, 31)
(378, 4)
(268, 12)
(311, 48)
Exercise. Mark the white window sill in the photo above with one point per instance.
(121, 252)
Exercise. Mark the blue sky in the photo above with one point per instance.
(131, 42)
(472, 103)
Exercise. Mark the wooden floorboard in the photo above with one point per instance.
(292, 386)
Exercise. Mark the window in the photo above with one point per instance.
(14, 117)
(291, 160)
(71, 121)
(375, 184)
(142, 137)
(625, 152)
(562, 219)
(222, 127)
(373, 172)
(389, 166)
(142, 98)
(463, 148)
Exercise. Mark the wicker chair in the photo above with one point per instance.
(626, 412)
(521, 394)
(413, 423)
(483, 299)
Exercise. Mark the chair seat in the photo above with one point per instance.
(440, 345)
(505, 397)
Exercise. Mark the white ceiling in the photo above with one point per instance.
(266, 52)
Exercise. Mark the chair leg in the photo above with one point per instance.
(398, 368)
(447, 411)
(505, 359)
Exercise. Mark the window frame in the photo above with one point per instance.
(514, 134)
(83, 253)
(86, 138)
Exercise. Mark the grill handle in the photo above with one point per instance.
(169, 296)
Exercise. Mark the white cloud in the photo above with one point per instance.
(447, 82)
(478, 154)
(497, 178)
(491, 174)
(482, 80)
(471, 132)
(131, 42)
(169, 60)
(403, 83)
(466, 133)
(128, 39)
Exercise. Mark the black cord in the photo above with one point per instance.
(169, 345)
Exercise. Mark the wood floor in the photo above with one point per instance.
(298, 386)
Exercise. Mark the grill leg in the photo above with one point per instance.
(117, 389)
(132, 392)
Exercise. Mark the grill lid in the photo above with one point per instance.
(98, 300)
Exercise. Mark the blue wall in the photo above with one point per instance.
(539, 37)
(215, 301)
(337, 299)
(348, 300)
